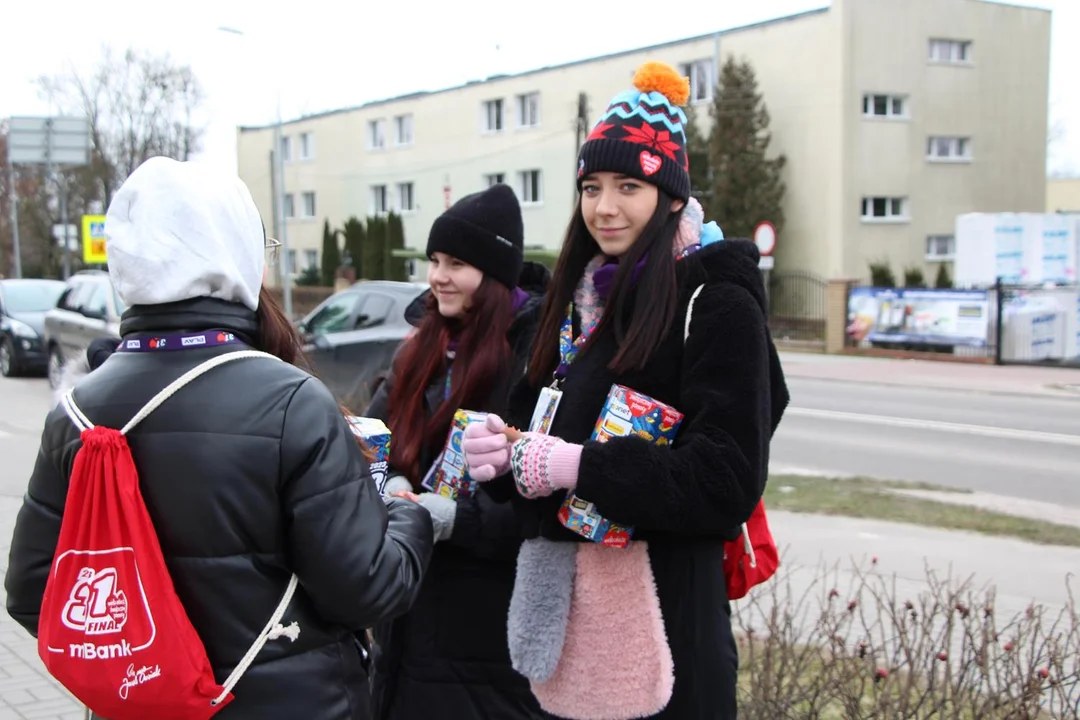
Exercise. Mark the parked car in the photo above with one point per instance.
(351, 337)
(23, 304)
(88, 309)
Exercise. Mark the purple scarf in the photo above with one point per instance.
(604, 276)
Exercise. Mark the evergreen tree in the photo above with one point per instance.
(746, 185)
(395, 240)
(697, 152)
(943, 281)
(374, 252)
(331, 254)
(355, 238)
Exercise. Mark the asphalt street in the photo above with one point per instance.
(1027, 447)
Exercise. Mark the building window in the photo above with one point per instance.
(701, 83)
(311, 259)
(529, 188)
(290, 206)
(403, 130)
(307, 146)
(405, 197)
(376, 134)
(948, 148)
(290, 262)
(494, 179)
(308, 205)
(378, 200)
(286, 149)
(876, 209)
(528, 110)
(940, 247)
(891, 106)
(492, 116)
(950, 51)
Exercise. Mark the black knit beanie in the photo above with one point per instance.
(485, 230)
(642, 134)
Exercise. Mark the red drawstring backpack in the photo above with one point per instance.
(112, 629)
(753, 558)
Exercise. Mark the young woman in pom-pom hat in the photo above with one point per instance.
(646, 297)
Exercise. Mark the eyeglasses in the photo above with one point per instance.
(273, 249)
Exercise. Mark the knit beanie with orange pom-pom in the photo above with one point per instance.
(642, 134)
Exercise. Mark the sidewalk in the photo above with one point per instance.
(1012, 379)
(26, 690)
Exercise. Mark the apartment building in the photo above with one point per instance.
(1063, 195)
(895, 116)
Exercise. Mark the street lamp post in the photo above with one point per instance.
(279, 201)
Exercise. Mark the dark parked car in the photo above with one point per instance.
(352, 336)
(23, 304)
(88, 309)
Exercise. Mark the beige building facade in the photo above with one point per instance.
(1063, 195)
(895, 116)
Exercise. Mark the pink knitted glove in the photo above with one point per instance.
(487, 451)
(542, 464)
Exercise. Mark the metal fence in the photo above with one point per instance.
(797, 307)
(1038, 325)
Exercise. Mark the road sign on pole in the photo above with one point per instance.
(93, 239)
(48, 141)
(765, 238)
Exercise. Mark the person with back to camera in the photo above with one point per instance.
(250, 473)
(646, 296)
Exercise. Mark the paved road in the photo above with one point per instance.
(998, 443)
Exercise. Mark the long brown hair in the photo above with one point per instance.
(279, 337)
(640, 326)
(480, 362)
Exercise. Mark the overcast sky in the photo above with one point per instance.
(325, 54)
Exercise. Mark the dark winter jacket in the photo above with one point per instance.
(249, 474)
(448, 657)
(684, 500)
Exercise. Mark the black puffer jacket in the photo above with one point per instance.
(684, 500)
(249, 474)
(448, 657)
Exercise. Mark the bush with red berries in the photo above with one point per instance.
(878, 647)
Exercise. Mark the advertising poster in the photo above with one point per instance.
(919, 316)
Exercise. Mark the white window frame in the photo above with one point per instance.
(379, 201)
(530, 187)
(947, 51)
(307, 145)
(897, 209)
(403, 130)
(492, 110)
(933, 243)
(376, 134)
(700, 73)
(289, 206)
(286, 148)
(290, 262)
(307, 204)
(958, 149)
(496, 178)
(527, 107)
(869, 105)
(403, 191)
(311, 259)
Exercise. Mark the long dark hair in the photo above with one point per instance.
(277, 336)
(480, 363)
(640, 325)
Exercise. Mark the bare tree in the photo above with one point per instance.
(140, 105)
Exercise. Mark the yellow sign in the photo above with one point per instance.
(93, 239)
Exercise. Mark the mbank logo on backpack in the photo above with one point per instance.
(112, 628)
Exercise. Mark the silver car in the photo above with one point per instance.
(88, 309)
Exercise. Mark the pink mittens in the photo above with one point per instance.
(542, 464)
(487, 451)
